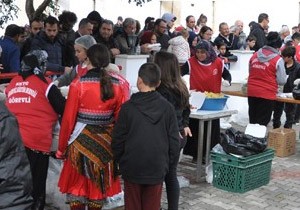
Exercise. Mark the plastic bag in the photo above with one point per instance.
(114, 201)
(209, 173)
(183, 182)
(238, 143)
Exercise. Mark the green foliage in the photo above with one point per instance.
(8, 10)
(53, 7)
(139, 2)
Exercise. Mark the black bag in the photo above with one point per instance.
(238, 143)
(296, 92)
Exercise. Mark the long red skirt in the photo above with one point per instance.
(72, 182)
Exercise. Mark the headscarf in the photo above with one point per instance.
(210, 52)
(168, 17)
(191, 38)
(34, 63)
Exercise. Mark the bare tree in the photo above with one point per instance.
(33, 13)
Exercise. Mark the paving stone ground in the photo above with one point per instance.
(281, 193)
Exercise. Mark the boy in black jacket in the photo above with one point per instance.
(145, 141)
(293, 71)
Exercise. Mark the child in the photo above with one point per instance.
(296, 41)
(145, 141)
(293, 71)
(250, 41)
(226, 55)
(193, 40)
(175, 91)
(180, 46)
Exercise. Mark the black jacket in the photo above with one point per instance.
(146, 138)
(182, 114)
(15, 175)
(294, 73)
(231, 43)
(55, 49)
(260, 35)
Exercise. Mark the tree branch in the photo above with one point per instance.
(29, 9)
(42, 8)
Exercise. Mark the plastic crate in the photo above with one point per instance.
(214, 103)
(240, 175)
(283, 141)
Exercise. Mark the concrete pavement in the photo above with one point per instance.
(282, 192)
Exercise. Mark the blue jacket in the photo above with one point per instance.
(54, 49)
(10, 57)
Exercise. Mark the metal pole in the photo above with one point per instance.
(299, 12)
(213, 14)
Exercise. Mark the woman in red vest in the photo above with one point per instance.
(37, 103)
(206, 70)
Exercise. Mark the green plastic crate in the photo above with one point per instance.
(240, 175)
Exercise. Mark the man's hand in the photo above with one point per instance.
(67, 70)
(115, 51)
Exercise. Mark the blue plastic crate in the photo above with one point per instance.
(214, 103)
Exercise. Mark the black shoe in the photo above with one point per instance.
(39, 204)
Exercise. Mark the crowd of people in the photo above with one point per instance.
(105, 132)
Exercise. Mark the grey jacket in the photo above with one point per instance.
(15, 176)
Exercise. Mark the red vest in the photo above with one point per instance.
(27, 100)
(297, 55)
(262, 78)
(206, 77)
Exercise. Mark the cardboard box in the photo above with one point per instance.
(283, 140)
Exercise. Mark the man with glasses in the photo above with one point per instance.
(258, 30)
(160, 26)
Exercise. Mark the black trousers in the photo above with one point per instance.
(39, 163)
(289, 110)
(191, 147)
(260, 110)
